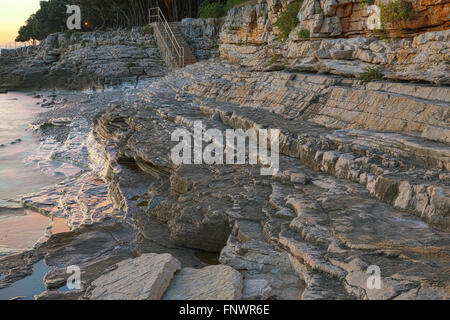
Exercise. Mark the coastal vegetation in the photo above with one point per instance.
(304, 34)
(288, 19)
(396, 12)
(369, 74)
(218, 8)
(101, 14)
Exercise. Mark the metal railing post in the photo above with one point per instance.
(171, 50)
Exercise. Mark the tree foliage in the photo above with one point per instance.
(219, 8)
(101, 14)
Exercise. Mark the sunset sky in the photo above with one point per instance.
(13, 14)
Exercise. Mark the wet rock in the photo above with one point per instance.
(94, 248)
(16, 141)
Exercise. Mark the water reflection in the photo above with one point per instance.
(28, 287)
(19, 229)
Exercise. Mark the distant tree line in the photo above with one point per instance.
(101, 14)
(219, 8)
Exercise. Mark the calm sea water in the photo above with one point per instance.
(19, 229)
(16, 176)
(28, 287)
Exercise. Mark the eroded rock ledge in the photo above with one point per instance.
(83, 60)
(348, 195)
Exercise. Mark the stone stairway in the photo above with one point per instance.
(189, 57)
(173, 47)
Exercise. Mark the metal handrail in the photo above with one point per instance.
(174, 45)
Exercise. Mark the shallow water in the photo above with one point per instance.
(16, 176)
(28, 287)
(18, 228)
(20, 231)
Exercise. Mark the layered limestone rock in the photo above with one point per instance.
(143, 278)
(210, 283)
(83, 60)
(350, 192)
(94, 248)
(344, 18)
(202, 35)
(249, 37)
(95, 59)
(362, 183)
(390, 156)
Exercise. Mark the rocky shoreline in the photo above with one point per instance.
(299, 234)
(100, 59)
(363, 177)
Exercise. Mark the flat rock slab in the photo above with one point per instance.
(210, 283)
(143, 278)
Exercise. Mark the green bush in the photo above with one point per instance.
(147, 30)
(219, 9)
(396, 11)
(366, 2)
(272, 60)
(232, 3)
(288, 19)
(369, 74)
(131, 65)
(212, 9)
(303, 34)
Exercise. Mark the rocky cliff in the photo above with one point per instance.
(249, 37)
(100, 58)
(202, 35)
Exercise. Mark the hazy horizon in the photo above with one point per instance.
(13, 15)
